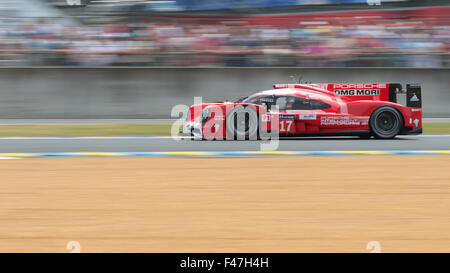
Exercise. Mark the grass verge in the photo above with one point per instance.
(436, 128)
(134, 129)
(86, 130)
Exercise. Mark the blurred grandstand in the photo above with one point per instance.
(297, 33)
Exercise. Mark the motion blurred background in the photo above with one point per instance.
(63, 62)
(295, 33)
(137, 59)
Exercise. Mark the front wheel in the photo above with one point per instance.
(242, 123)
(386, 122)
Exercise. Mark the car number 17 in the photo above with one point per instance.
(285, 125)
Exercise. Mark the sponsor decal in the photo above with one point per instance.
(359, 85)
(357, 92)
(307, 117)
(286, 117)
(265, 117)
(414, 98)
(267, 99)
(416, 110)
(332, 120)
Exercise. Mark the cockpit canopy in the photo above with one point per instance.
(287, 101)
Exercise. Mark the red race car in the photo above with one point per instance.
(361, 109)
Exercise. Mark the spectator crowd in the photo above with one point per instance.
(389, 43)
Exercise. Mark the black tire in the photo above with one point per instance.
(242, 123)
(386, 122)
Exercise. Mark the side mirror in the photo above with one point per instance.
(267, 102)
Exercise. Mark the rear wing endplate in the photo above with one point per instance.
(414, 95)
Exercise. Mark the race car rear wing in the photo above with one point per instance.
(377, 91)
(414, 95)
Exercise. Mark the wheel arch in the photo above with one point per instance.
(397, 109)
(376, 132)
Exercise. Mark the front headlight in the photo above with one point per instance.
(205, 114)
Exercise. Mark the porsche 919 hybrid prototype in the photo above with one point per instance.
(357, 109)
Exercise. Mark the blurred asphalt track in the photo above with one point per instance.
(167, 144)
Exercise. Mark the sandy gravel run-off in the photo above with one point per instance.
(286, 204)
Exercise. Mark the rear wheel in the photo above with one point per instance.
(386, 122)
(242, 123)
